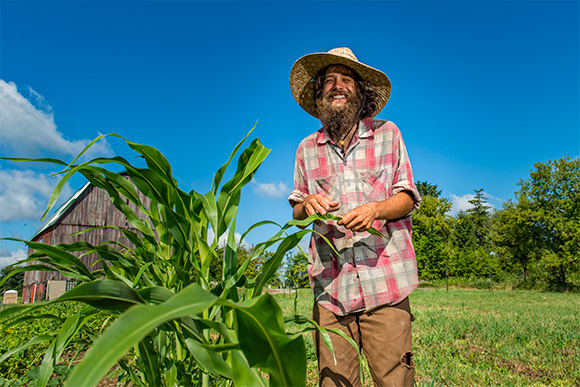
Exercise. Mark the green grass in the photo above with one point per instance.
(483, 338)
(460, 338)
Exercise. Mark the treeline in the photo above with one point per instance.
(533, 241)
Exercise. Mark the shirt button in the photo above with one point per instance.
(348, 183)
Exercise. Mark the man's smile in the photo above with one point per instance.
(339, 98)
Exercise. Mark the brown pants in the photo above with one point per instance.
(383, 334)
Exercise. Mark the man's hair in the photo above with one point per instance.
(363, 88)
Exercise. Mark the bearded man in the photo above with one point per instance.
(357, 168)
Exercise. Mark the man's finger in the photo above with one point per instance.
(332, 203)
(315, 208)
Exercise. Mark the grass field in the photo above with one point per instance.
(484, 338)
(460, 338)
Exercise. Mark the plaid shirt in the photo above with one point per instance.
(370, 271)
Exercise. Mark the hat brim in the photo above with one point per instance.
(305, 69)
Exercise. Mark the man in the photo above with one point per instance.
(356, 168)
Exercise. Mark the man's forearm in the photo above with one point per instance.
(395, 207)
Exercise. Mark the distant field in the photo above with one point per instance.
(483, 338)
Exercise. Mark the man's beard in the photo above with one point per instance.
(338, 120)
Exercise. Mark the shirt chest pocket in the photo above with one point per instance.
(327, 186)
(375, 185)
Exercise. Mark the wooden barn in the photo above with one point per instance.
(89, 207)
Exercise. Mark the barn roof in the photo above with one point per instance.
(57, 216)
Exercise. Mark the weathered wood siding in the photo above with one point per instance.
(92, 208)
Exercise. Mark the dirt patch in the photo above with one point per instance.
(279, 291)
(525, 370)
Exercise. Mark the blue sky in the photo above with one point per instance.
(482, 90)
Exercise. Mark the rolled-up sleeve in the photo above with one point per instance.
(300, 191)
(403, 173)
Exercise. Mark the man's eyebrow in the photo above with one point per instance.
(341, 73)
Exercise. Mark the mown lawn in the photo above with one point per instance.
(484, 338)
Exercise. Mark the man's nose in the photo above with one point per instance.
(340, 85)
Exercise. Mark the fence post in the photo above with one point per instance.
(446, 278)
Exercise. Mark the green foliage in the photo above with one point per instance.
(13, 282)
(297, 271)
(480, 218)
(532, 241)
(431, 227)
(255, 267)
(550, 201)
(515, 237)
(174, 318)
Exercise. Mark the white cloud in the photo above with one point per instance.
(270, 190)
(8, 257)
(223, 239)
(461, 203)
(24, 194)
(30, 131)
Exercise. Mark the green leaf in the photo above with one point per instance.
(33, 341)
(171, 376)
(46, 367)
(210, 209)
(60, 257)
(244, 375)
(131, 327)
(209, 359)
(155, 294)
(271, 265)
(220, 173)
(104, 294)
(261, 334)
(150, 362)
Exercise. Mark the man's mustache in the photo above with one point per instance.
(349, 96)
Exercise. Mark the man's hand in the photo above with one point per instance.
(313, 204)
(361, 218)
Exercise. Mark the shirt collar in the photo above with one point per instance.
(365, 130)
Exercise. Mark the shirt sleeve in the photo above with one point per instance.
(403, 173)
(300, 191)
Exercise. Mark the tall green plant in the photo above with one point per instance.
(170, 325)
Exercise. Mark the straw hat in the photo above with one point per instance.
(305, 69)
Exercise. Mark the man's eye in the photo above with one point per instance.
(328, 80)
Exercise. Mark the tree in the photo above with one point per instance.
(514, 237)
(12, 283)
(552, 198)
(480, 218)
(431, 226)
(255, 268)
(463, 259)
(297, 271)
(427, 189)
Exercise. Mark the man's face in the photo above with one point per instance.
(339, 86)
(339, 101)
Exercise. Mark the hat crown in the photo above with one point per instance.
(345, 52)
